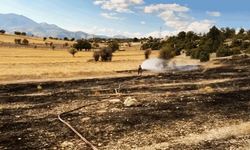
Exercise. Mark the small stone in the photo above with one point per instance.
(19, 139)
(115, 101)
(131, 102)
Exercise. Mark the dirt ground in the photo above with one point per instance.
(198, 109)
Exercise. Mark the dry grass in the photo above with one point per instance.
(20, 63)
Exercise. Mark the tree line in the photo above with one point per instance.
(200, 46)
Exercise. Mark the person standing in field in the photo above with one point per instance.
(139, 70)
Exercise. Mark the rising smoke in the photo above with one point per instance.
(156, 64)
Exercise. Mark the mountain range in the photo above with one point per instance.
(14, 22)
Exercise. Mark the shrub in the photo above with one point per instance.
(223, 51)
(73, 51)
(96, 45)
(245, 45)
(166, 53)
(2, 31)
(53, 47)
(18, 41)
(114, 45)
(145, 46)
(147, 53)
(44, 38)
(204, 56)
(82, 44)
(106, 54)
(25, 42)
(96, 55)
(155, 46)
(248, 50)
(236, 50)
(129, 44)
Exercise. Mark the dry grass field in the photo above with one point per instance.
(25, 63)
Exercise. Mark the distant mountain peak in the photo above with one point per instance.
(13, 22)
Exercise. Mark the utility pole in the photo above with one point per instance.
(160, 32)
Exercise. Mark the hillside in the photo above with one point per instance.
(14, 22)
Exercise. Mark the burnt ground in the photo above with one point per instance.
(198, 109)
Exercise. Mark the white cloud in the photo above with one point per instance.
(119, 5)
(98, 2)
(143, 22)
(183, 15)
(173, 21)
(165, 7)
(201, 26)
(111, 16)
(214, 13)
(175, 16)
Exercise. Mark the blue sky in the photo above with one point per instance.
(134, 18)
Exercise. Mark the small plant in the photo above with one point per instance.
(25, 42)
(73, 51)
(35, 46)
(39, 87)
(147, 53)
(129, 44)
(53, 47)
(166, 53)
(96, 55)
(97, 93)
(208, 89)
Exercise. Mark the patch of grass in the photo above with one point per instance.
(208, 89)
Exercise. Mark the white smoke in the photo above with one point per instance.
(156, 64)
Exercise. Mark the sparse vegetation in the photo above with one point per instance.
(96, 55)
(25, 42)
(166, 53)
(106, 54)
(73, 51)
(2, 31)
(82, 44)
(147, 53)
(114, 45)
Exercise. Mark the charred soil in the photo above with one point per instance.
(198, 109)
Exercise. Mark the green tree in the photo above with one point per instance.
(223, 51)
(181, 35)
(25, 42)
(44, 38)
(66, 39)
(82, 44)
(73, 51)
(106, 54)
(114, 45)
(2, 31)
(23, 33)
(136, 39)
(166, 53)
(204, 56)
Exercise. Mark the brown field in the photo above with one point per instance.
(27, 63)
(206, 108)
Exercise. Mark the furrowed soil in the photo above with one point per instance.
(198, 109)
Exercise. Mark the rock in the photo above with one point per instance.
(116, 110)
(115, 101)
(67, 144)
(130, 102)
(101, 111)
(85, 119)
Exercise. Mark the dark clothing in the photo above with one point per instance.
(139, 71)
